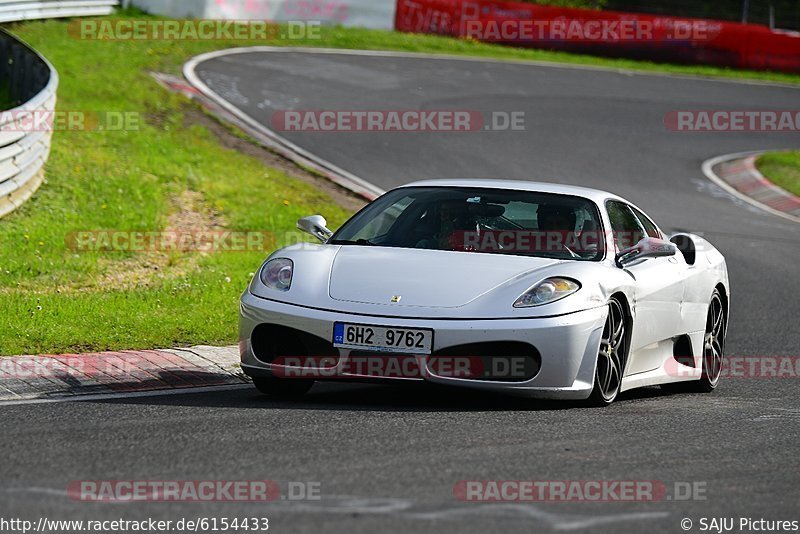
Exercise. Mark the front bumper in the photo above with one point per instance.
(568, 344)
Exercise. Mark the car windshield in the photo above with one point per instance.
(480, 220)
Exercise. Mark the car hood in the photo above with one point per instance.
(431, 283)
(422, 278)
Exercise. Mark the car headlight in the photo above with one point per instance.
(547, 291)
(277, 274)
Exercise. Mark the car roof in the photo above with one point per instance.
(596, 195)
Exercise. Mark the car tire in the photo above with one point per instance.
(611, 356)
(282, 388)
(713, 347)
(710, 374)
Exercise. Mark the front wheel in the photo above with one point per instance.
(611, 357)
(282, 388)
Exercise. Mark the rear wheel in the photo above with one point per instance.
(713, 352)
(611, 357)
(713, 347)
(282, 388)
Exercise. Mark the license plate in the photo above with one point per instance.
(383, 338)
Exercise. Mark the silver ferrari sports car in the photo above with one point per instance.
(530, 289)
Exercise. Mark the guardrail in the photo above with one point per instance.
(30, 82)
(16, 10)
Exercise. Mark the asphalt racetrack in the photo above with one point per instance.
(387, 458)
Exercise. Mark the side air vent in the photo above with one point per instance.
(682, 351)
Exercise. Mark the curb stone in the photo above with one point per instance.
(71, 375)
(737, 174)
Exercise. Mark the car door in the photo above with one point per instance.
(658, 290)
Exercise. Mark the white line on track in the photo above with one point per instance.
(271, 138)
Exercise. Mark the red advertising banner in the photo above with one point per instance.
(635, 35)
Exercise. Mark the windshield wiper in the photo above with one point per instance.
(361, 242)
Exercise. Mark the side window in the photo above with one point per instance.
(648, 225)
(624, 225)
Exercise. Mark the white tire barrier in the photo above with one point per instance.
(32, 80)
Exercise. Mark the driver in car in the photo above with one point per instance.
(454, 221)
(557, 225)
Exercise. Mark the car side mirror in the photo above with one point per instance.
(649, 247)
(315, 225)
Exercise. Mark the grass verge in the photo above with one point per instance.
(173, 173)
(433, 44)
(782, 169)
